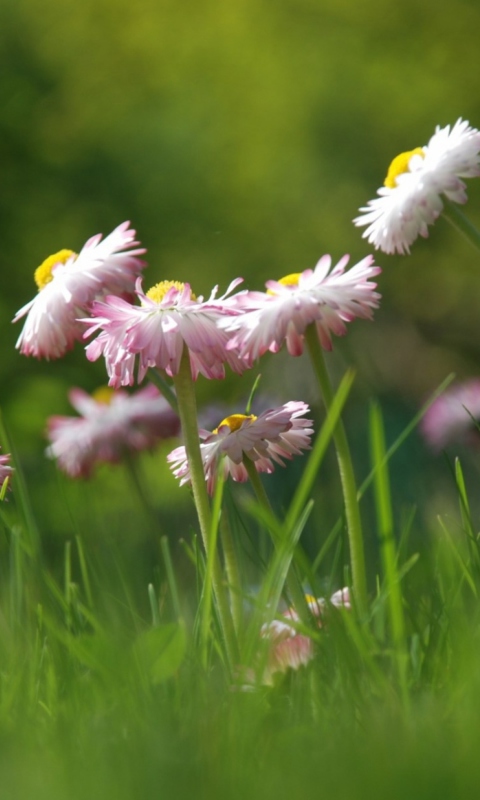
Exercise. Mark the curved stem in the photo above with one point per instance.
(187, 408)
(347, 476)
(455, 217)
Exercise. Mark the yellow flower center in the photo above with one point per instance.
(158, 292)
(104, 394)
(399, 165)
(235, 421)
(288, 280)
(43, 273)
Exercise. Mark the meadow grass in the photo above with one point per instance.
(105, 697)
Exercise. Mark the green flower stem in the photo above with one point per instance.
(233, 573)
(159, 381)
(187, 408)
(347, 476)
(293, 584)
(455, 217)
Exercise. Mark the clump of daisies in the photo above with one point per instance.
(417, 184)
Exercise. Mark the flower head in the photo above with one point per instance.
(67, 284)
(6, 471)
(324, 297)
(410, 198)
(110, 425)
(452, 416)
(288, 648)
(271, 437)
(168, 319)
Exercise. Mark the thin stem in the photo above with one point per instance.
(233, 572)
(347, 476)
(187, 408)
(293, 583)
(455, 217)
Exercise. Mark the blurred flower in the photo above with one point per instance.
(410, 199)
(111, 424)
(288, 648)
(168, 318)
(6, 471)
(67, 284)
(272, 436)
(452, 416)
(328, 299)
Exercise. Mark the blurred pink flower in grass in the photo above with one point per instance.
(111, 424)
(328, 298)
(155, 332)
(6, 471)
(287, 646)
(411, 198)
(67, 284)
(452, 417)
(273, 436)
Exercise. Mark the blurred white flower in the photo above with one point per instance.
(410, 199)
(452, 417)
(110, 425)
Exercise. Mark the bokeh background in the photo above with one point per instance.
(240, 138)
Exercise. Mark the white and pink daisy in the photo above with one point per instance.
(68, 283)
(411, 197)
(328, 298)
(454, 416)
(111, 424)
(6, 471)
(273, 436)
(288, 647)
(155, 332)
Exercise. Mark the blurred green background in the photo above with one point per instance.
(240, 138)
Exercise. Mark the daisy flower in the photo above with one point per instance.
(411, 197)
(452, 416)
(67, 283)
(6, 471)
(274, 435)
(328, 298)
(168, 319)
(288, 648)
(110, 425)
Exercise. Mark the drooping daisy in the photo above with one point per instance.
(111, 424)
(452, 417)
(68, 283)
(324, 297)
(168, 319)
(274, 435)
(6, 471)
(411, 197)
(288, 648)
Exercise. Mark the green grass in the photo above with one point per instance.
(107, 693)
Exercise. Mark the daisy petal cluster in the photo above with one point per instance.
(328, 298)
(68, 283)
(273, 436)
(6, 471)
(287, 647)
(452, 417)
(168, 319)
(110, 425)
(411, 198)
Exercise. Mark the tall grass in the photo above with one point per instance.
(105, 697)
